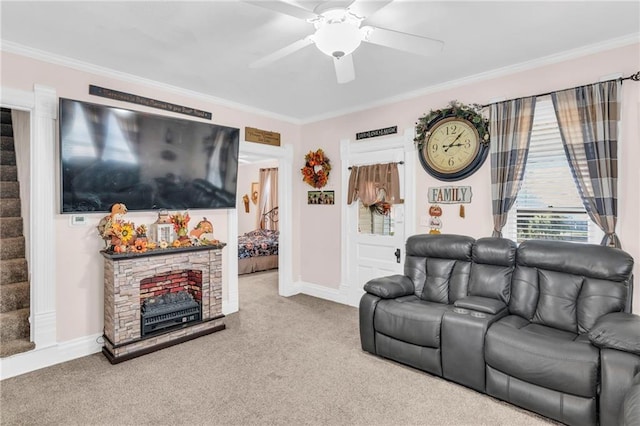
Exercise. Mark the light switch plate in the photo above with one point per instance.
(78, 220)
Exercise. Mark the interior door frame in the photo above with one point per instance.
(349, 151)
(284, 155)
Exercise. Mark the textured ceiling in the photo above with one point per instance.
(207, 47)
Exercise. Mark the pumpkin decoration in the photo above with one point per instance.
(435, 210)
(203, 227)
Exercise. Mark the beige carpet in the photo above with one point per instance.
(280, 361)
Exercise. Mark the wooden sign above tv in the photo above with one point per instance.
(141, 100)
(261, 136)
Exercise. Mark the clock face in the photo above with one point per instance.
(452, 146)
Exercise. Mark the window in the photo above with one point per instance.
(548, 204)
(376, 219)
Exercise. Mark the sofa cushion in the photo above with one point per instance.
(558, 299)
(567, 285)
(438, 266)
(493, 260)
(542, 355)
(411, 320)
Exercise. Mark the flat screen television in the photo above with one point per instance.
(146, 161)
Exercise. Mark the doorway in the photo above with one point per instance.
(283, 155)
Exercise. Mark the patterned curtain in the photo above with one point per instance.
(268, 199)
(375, 183)
(510, 129)
(588, 118)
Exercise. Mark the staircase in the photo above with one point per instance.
(14, 277)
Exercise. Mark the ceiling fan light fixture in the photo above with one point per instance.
(337, 39)
(337, 33)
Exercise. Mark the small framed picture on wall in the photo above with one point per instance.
(320, 197)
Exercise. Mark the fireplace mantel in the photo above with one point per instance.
(123, 274)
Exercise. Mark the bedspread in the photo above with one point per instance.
(261, 242)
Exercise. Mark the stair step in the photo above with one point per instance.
(14, 325)
(7, 157)
(10, 189)
(13, 347)
(6, 129)
(14, 296)
(13, 271)
(9, 207)
(8, 173)
(10, 227)
(5, 115)
(6, 143)
(12, 248)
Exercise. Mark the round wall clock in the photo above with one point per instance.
(452, 149)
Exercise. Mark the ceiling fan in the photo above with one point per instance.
(338, 33)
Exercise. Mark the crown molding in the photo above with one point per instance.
(498, 72)
(19, 49)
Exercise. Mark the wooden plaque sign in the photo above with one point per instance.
(449, 194)
(261, 136)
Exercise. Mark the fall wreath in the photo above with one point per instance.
(316, 169)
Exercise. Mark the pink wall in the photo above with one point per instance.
(317, 229)
(318, 261)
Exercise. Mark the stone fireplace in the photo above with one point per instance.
(190, 276)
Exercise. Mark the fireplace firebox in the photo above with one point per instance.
(168, 310)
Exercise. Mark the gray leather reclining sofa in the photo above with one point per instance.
(544, 325)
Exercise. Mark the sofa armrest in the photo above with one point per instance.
(618, 330)
(390, 287)
(631, 403)
(481, 304)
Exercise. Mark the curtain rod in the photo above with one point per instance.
(393, 162)
(632, 77)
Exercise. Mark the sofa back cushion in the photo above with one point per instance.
(493, 261)
(569, 286)
(438, 265)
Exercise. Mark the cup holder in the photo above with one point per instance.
(478, 315)
(460, 311)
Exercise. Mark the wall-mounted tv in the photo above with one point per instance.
(146, 161)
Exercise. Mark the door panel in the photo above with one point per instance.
(368, 255)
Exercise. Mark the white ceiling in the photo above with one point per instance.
(206, 46)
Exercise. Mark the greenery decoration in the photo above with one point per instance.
(457, 109)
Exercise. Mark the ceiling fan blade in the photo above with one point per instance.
(402, 41)
(284, 7)
(281, 53)
(366, 8)
(345, 72)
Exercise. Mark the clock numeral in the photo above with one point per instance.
(467, 143)
(453, 129)
(451, 162)
(434, 148)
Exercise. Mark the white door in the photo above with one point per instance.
(377, 249)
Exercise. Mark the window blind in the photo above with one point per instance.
(548, 204)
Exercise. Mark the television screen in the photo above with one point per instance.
(146, 161)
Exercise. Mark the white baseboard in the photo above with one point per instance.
(322, 292)
(230, 306)
(55, 354)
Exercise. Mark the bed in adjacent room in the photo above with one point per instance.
(257, 251)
